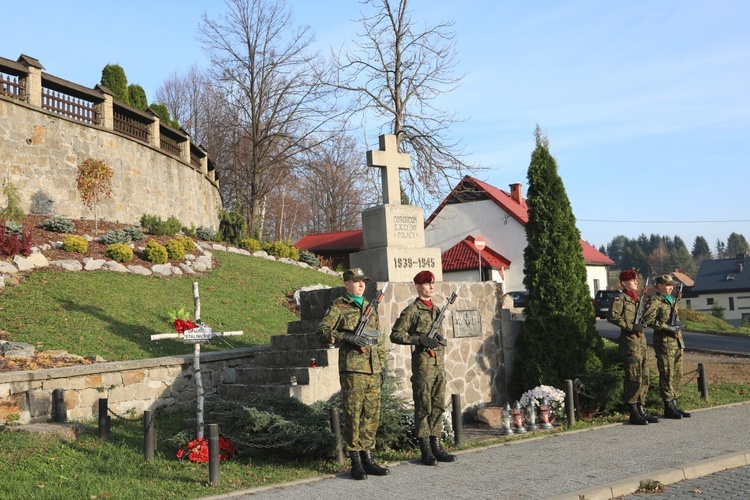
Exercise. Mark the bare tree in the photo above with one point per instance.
(268, 79)
(396, 72)
(659, 259)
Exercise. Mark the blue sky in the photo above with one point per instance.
(646, 104)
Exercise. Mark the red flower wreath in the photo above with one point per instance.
(181, 325)
(197, 450)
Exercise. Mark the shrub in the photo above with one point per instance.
(58, 224)
(232, 226)
(11, 244)
(155, 225)
(175, 249)
(12, 211)
(717, 311)
(309, 258)
(115, 236)
(119, 252)
(189, 231)
(188, 243)
(250, 244)
(155, 252)
(13, 228)
(135, 233)
(73, 243)
(278, 249)
(205, 233)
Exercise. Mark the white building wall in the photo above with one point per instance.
(734, 316)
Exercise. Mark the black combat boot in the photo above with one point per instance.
(670, 411)
(685, 414)
(635, 416)
(371, 466)
(651, 419)
(438, 451)
(358, 472)
(427, 457)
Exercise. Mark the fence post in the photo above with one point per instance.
(149, 435)
(213, 454)
(103, 419)
(336, 428)
(570, 410)
(59, 411)
(458, 430)
(702, 381)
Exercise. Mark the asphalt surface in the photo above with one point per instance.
(602, 462)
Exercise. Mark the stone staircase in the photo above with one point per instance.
(283, 368)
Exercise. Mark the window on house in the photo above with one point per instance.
(596, 286)
(710, 302)
(731, 303)
(687, 303)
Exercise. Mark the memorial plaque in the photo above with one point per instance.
(200, 335)
(467, 323)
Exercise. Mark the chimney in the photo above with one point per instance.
(739, 267)
(515, 192)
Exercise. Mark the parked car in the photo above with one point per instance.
(603, 302)
(519, 298)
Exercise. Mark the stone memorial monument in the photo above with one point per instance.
(394, 242)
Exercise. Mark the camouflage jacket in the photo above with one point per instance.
(659, 314)
(623, 311)
(341, 318)
(416, 320)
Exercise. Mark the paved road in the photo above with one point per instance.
(699, 341)
(598, 462)
(724, 485)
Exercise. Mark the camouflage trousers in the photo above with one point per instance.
(669, 362)
(428, 389)
(634, 352)
(360, 400)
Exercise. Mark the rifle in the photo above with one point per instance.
(438, 321)
(362, 330)
(673, 321)
(639, 308)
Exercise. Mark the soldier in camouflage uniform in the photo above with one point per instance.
(633, 349)
(668, 345)
(361, 367)
(427, 366)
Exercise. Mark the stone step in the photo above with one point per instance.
(305, 326)
(240, 392)
(298, 358)
(296, 342)
(266, 375)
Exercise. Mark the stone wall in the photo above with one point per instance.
(40, 153)
(165, 383)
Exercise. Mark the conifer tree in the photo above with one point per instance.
(137, 97)
(113, 77)
(559, 340)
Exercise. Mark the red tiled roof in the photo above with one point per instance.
(464, 255)
(593, 256)
(519, 211)
(340, 241)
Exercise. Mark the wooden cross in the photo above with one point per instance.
(390, 161)
(196, 336)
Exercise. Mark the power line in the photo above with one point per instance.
(664, 221)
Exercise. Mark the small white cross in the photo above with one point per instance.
(390, 161)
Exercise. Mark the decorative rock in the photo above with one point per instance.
(140, 270)
(203, 244)
(23, 263)
(17, 348)
(162, 269)
(92, 264)
(57, 244)
(260, 253)
(111, 265)
(492, 415)
(190, 257)
(2, 282)
(38, 259)
(205, 260)
(201, 268)
(217, 246)
(176, 271)
(186, 268)
(7, 268)
(304, 265)
(287, 260)
(68, 264)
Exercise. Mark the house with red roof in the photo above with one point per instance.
(333, 248)
(475, 208)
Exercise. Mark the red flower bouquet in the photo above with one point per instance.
(197, 450)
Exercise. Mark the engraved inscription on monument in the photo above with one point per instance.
(467, 323)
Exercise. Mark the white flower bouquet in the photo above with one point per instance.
(555, 398)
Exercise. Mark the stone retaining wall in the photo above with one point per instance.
(161, 383)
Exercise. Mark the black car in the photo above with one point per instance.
(519, 298)
(603, 302)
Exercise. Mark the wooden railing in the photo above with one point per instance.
(11, 86)
(70, 106)
(130, 125)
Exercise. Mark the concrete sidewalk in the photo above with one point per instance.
(597, 463)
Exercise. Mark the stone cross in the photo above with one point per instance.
(390, 161)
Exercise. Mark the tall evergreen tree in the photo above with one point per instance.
(113, 77)
(701, 250)
(560, 339)
(137, 97)
(736, 244)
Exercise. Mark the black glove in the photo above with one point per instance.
(672, 329)
(427, 342)
(352, 339)
(637, 328)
